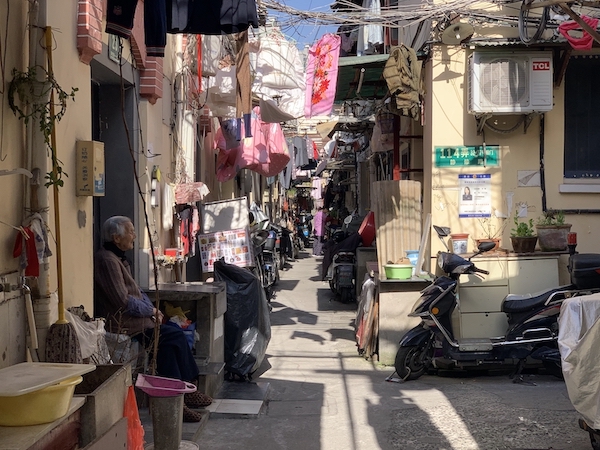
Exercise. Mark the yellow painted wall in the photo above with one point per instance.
(12, 139)
(75, 212)
(449, 123)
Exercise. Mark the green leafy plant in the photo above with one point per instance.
(522, 229)
(29, 97)
(552, 218)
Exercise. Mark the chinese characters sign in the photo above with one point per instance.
(475, 196)
(233, 245)
(461, 156)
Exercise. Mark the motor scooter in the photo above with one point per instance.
(339, 264)
(532, 324)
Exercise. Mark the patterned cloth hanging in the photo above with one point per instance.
(321, 75)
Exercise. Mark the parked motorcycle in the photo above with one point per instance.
(339, 264)
(304, 228)
(265, 263)
(532, 324)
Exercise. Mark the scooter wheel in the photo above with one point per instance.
(332, 286)
(346, 295)
(412, 362)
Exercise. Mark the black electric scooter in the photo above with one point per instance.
(532, 324)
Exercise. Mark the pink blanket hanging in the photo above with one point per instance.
(321, 75)
(265, 152)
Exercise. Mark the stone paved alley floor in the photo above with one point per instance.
(324, 396)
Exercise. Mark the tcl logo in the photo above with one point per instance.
(541, 65)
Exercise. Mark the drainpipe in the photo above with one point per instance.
(36, 197)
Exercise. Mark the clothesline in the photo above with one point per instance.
(404, 14)
(19, 229)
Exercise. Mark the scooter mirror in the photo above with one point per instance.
(442, 231)
(486, 246)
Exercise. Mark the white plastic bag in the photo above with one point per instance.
(88, 333)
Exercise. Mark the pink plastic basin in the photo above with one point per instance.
(163, 387)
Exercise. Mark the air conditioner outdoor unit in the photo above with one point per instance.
(510, 82)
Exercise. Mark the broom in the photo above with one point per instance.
(62, 344)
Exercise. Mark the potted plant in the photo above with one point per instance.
(552, 231)
(492, 232)
(523, 236)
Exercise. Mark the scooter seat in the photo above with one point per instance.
(515, 303)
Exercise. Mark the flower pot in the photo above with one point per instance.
(496, 241)
(459, 242)
(523, 244)
(553, 238)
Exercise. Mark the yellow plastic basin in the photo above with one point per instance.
(37, 407)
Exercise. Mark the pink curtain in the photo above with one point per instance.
(321, 75)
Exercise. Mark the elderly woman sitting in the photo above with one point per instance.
(128, 310)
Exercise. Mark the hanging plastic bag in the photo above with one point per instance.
(135, 431)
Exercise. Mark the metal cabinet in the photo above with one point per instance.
(205, 304)
(480, 298)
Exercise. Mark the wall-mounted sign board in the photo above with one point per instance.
(467, 156)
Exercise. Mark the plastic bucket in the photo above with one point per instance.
(367, 229)
(413, 256)
(459, 243)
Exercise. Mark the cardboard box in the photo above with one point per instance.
(90, 168)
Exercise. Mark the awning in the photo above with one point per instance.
(362, 73)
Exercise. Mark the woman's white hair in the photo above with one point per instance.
(114, 226)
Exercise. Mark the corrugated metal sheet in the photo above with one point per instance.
(397, 209)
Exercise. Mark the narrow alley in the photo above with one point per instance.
(324, 396)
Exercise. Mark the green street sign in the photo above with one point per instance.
(467, 156)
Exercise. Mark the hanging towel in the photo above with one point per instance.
(371, 35)
(168, 203)
(321, 76)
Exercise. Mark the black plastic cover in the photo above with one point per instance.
(247, 321)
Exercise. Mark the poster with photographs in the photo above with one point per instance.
(233, 245)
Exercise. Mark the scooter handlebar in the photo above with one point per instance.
(477, 270)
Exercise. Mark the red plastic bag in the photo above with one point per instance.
(135, 431)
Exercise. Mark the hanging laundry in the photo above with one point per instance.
(25, 250)
(315, 149)
(265, 152)
(185, 229)
(402, 73)
(301, 152)
(180, 17)
(370, 36)
(222, 17)
(279, 79)
(585, 41)
(39, 228)
(317, 189)
(168, 201)
(211, 55)
(119, 21)
(321, 76)
(190, 192)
